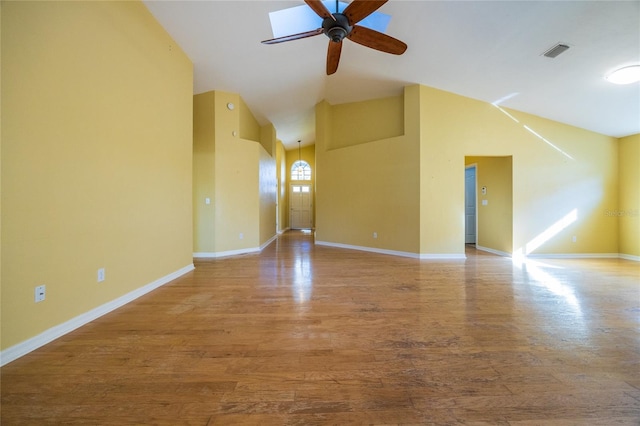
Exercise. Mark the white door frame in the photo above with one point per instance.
(475, 180)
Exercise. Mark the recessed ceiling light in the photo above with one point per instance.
(625, 75)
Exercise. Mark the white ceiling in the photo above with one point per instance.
(487, 50)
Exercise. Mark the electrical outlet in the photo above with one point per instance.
(40, 293)
(375, 235)
(100, 275)
(241, 235)
(574, 239)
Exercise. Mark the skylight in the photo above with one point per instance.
(300, 19)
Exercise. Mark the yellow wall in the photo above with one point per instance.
(410, 188)
(237, 174)
(368, 187)
(0, 175)
(204, 157)
(248, 125)
(96, 158)
(367, 121)
(558, 172)
(268, 183)
(283, 184)
(236, 168)
(629, 206)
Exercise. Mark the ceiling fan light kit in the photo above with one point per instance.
(338, 26)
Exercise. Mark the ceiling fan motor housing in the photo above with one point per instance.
(338, 29)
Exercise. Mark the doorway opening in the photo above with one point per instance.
(489, 203)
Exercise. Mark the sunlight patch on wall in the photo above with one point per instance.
(545, 236)
(506, 113)
(504, 98)
(545, 140)
(527, 128)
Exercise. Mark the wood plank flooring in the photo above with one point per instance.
(311, 335)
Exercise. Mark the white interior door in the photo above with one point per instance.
(300, 199)
(470, 205)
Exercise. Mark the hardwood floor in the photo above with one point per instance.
(303, 334)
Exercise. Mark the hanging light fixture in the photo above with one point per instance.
(300, 168)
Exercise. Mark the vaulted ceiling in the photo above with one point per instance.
(487, 50)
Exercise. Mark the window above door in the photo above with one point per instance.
(300, 170)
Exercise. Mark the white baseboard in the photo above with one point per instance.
(369, 249)
(629, 257)
(565, 255)
(445, 256)
(490, 250)
(573, 256)
(29, 345)
(215, 255)
(272, 239)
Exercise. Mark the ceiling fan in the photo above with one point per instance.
(337, 26)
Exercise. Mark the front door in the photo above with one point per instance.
(300, 199)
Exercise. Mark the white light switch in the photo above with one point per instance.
(40, 293)
(207, 200)
(485, 202)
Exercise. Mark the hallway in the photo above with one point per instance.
(305, 334)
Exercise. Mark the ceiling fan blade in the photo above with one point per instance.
(319, 9)
(293, 37)
(376, 40)
(360, 9)
(333, 56)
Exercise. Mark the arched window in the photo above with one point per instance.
(300, 171)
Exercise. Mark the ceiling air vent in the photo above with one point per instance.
(555, 50)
